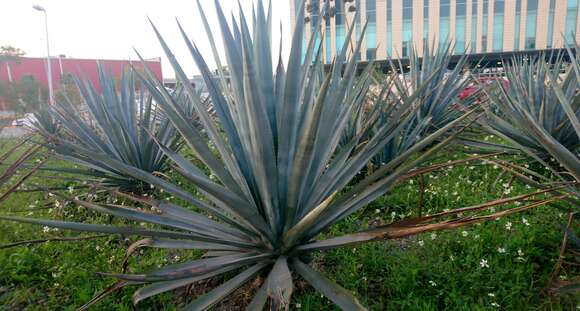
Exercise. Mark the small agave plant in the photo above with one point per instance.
(546, 95)
(273, 176)
(119, 121)
(438, 105)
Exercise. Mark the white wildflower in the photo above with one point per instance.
(45, 229)
(501, 250)
(483, 263)
(432, 283)
(464, 233)
(508, 225)
(421, 243)
(525, 221)
(433, 236)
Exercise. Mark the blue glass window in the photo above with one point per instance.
(390, 27)
(358, 26)
(531, 17)
(460, 24)
(571, 17)
(517, 26)
(327, 43)
(371, 34)
(550, 40)
(425, 21)
(474, 26)
(407, 27)
(314, 11)
(498, 17)
(339, 23)
(484, 27)
(444, 21)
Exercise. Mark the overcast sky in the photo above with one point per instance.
(111, 28)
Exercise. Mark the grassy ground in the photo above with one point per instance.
(500, 265)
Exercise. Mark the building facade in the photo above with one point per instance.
(473, 26)
(62, 67)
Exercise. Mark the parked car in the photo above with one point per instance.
(28, 120)
(483, 81)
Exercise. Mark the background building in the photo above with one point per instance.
(475, 26)
(63, 67)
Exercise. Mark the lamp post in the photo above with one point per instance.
(49, 71)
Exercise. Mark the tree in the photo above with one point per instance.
(10, 55)
(31, 94)
(23, 96)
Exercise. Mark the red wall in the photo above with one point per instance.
(82, 68)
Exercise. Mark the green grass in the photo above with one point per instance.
(460, 269)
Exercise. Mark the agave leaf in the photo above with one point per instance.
(415, 226)
(161, 287)
(12, 168)
(200, 109)
(194, 268)
(340, 296)
(220, 292)
(211, 40)
(127, 231)
(184, 244)
(192, 136)
(207, 233)
(568, 288)
(107, 291)
(260, 298)
(177, 191)
(179, 213)
(208, 123)
(566, 105)
(280, 284)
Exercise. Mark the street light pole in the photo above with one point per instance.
(49, 71)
